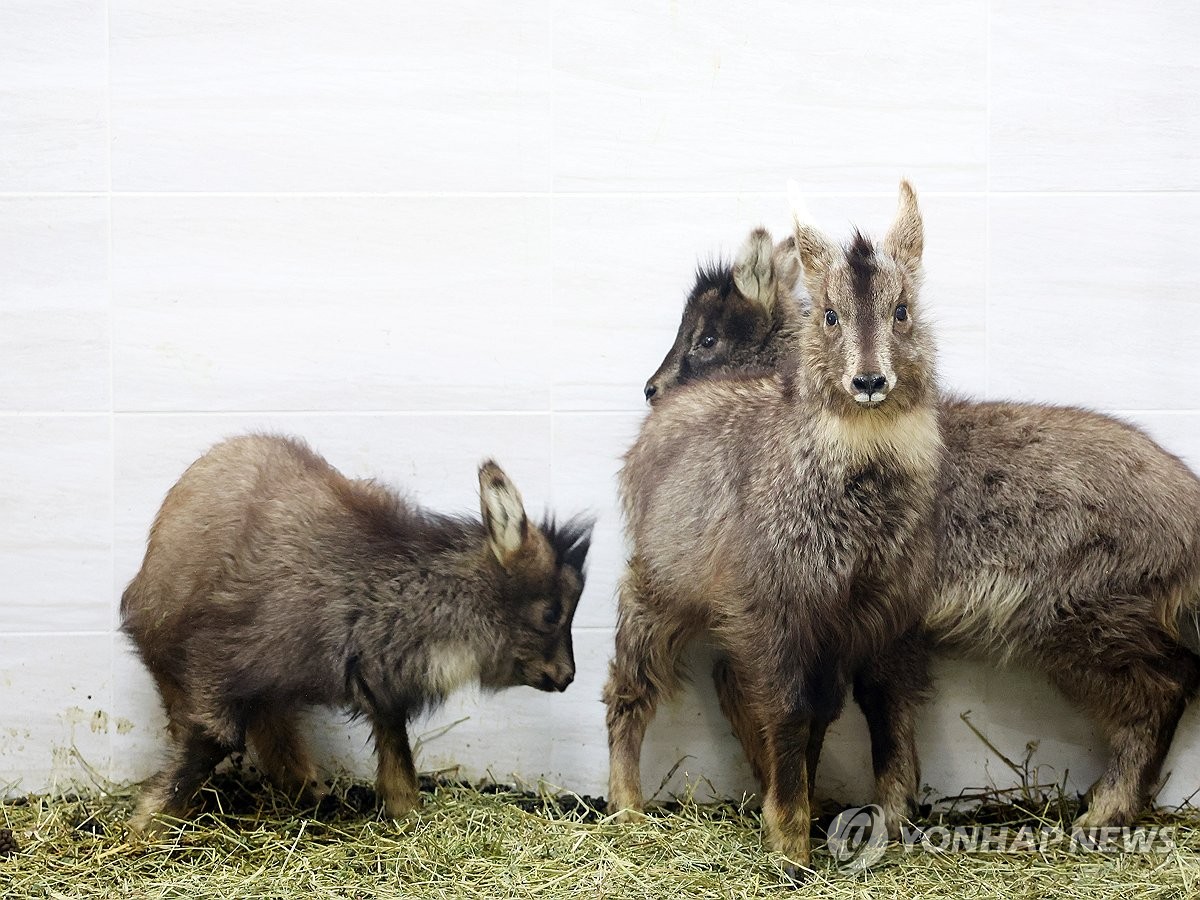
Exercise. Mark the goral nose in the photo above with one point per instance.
(869, 383)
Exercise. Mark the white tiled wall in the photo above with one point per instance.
(422, 234)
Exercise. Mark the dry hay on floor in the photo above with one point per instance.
(493, 842)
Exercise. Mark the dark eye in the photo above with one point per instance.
(831, 318)
(553, 613)
(708, 342)
(901, 313)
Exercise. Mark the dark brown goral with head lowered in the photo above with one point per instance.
(789, 514)
(1070, 544)
(272, 583)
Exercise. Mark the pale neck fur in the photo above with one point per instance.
(911, 438)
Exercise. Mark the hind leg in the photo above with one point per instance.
(170, 792)
(283, 753)
(736, 707)
(172, 695)
(644, 670)
(1138, 706)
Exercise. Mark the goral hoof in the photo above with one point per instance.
(627, 816)
(400, 809)
(796, 873)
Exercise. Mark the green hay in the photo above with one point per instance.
(249, 841)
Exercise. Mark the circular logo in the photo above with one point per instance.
(857, 837)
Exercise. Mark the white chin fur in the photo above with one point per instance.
(872, 400)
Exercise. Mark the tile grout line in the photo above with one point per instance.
(584, 195)
(316, 413)
(57, 634)
(445, 413)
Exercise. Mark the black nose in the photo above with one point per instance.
(651, 390)
(869, 383)
(548, 683)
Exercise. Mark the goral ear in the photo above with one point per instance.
(787, 268)
(503, 513)
(754, 271)
(905, 241)
(816, 252)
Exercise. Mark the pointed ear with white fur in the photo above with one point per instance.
(754, 271)
(905, 241)
(787, 268)
(503, 513)
(817, 254)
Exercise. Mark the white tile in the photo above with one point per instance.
(1010, 708)
(53, 122)
(286, 96)
(844, 774)
(691, 731)
(624, 265)
(249, 303)
(1092, 300)
(56, 691)
(1094, 96)
(56, 527)
(588, 448)
(432, 458)
(716, 96)
(138, 734)
(528, 734)
(54, 320)
(1182, 763)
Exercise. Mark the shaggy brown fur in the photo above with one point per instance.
(786, 516)
(272, 583)
(1071, 544)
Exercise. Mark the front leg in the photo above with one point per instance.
(396, 779)
(812, 752)
(739, 710)
(787, 815)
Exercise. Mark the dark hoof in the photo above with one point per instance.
(796, 874)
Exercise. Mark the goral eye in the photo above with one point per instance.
(708, 342)
(901, 312)
(831, 318)
(553, 613)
